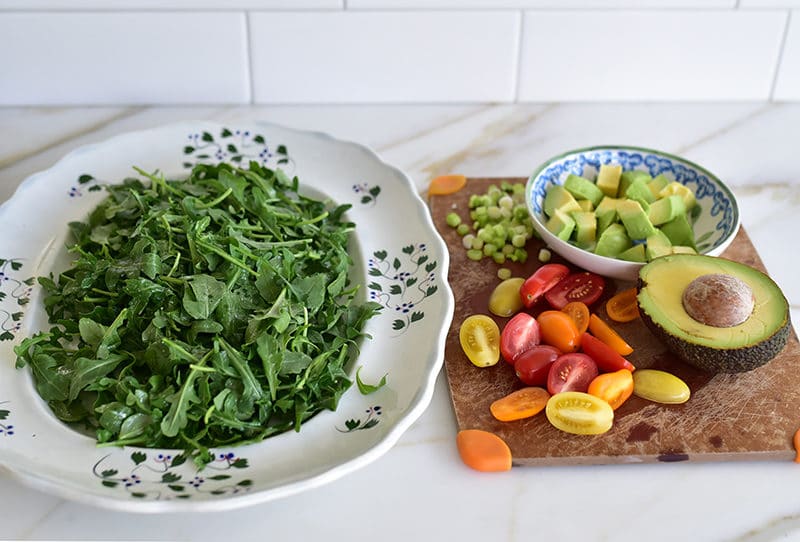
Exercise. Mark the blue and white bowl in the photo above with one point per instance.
(714, 228)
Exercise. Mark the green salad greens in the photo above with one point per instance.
(199, 313)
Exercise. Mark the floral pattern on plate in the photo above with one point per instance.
(404, 267)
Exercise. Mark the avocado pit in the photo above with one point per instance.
(718, 300)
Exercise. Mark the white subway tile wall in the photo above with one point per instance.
(636, 56)
(384, 57)
(123, 58)
(787, 86)
(109, 52)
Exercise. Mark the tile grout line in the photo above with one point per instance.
(248, 40)
(781, 51)
(518, 59)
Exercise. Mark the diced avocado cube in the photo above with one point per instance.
(627, 178)
(658, 244)
(561, 225)
(613, 241)
(585, 228)
(665, 209)
(638, 191)
(586, 205)
(606, 213)
(683, 250)
(557, 197)
(677, 189)
(657, 184)
(633, 254)
(679, 232)
(583, 188)
(634, 218)
(608, 179)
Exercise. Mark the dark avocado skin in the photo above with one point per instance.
(721, 360)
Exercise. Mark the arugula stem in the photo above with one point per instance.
(314, 220)
(225, 256)
(216, 201)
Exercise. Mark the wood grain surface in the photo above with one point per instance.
(749, 416)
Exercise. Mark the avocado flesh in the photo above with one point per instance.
(733, 349)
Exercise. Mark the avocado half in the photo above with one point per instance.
(735, 349)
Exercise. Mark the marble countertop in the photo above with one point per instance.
(420, 489)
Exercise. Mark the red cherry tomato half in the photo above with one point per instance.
(571, 372)
(521, 333)
(584, 287)
(607, 359)
(542, 280)
(533, 365)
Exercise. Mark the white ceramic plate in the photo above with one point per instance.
(394, 236)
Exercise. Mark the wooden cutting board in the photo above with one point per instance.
(749, 416)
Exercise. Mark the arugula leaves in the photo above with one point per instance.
(200, 313)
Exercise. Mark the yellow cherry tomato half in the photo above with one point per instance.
(480, 339)
(660, 387)
(505, 300)
(579, 413)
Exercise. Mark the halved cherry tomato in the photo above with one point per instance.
(603, 355)
(504, 300)
(623, 307)
(613, 388)
(533, 365)
(542, 280)
(557, 329)
(660, 387)
(483, 451)
(603, 331)
(579, 413)
(585, 287)
(579, 312)
(446, 184)
(480, 340)
(521, 333)
(571, 372)
(521, 404)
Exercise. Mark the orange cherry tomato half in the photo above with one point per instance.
(613, 388)
(520, 404)
(603, 331)
(606, 358)
(446, 184)
(483, 451)
(557, 329)
(623, 307)
(579, 313)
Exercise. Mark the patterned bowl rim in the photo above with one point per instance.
(724, 241)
